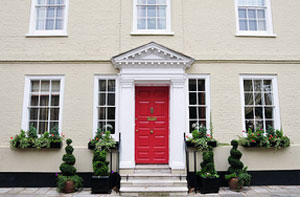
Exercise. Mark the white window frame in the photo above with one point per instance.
(48, 33)
(96, 100)
(275, 97)
(167, 31)
(269, 23)
(26, 101)
(207, 101)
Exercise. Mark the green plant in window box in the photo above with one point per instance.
(102, 140)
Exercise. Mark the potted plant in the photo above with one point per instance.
(101, 183)
(68, 181)
(238, 176)
(208, 177)
(110, 143)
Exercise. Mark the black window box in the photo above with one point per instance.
(101, 185)
(209, 185)
(92, 146)
(55, 144)
(212, 143)
(189, 144)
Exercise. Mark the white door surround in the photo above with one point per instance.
(152, 64)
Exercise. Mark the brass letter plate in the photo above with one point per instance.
(152, 118)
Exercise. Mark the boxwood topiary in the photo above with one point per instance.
(100, 165)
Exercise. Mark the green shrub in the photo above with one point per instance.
(201, 139)
(100, 165)
(208, 165)
(68, 171)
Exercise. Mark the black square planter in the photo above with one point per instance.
(91, 146)
(101, 185)
(189, 144)
(212, 143)
(55, 144)
(209, 185)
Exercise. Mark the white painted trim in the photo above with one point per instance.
(32, 32)
(96, 100)
(26, 99)
(277, 123)
(167, 31)
(269, 23)
(206, 77)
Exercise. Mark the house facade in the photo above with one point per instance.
(149, 70)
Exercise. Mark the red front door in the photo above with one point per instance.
(151, 125)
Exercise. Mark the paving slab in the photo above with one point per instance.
(5, 190)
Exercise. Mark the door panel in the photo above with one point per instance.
(152, 125)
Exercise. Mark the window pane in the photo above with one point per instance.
(141, 11)
(33, 124)
(50, 12)
(40, 24)
(202, 123)
(161, 1)
(267, 85)
(252, 2)
(102, 113)
(201, 85)
(55, 86)
(202, 112)
(201, 98)
(269, 112)
(111, 85)
(249, 113)
(242, 2)
(59, 12)
(260, 2)
(161, 23)
(53, 125)
(141, 23)
(258, 113)
(151, 1)
(151, 23)
(54, 100)
(102, 85)
(262, 25)
(259, 125)
(257, 85)
(49, 24)
(54, 114)
(242, 13)
(269, 124)
(111, 113)
(60, 1)
(102, 98)
(251, 13)
(141, 1)
(249, 124)
(151, 11)
(192, 125)
(45, 86)
(268, 99)
(192, 84)
(110, 126)
(33, 114)
(248, 99)
(41, 13)
(44, 114)
(44, 100)
(161, 11)
(261, 14)
(243, 25)
(258, 99)
(35, 85)
(51, 2)
(43, 126)
(41, 2)
(192, 98)
(248, 85)
(59, 24)
(111, 99)
(34, 100)
(253, 25)
(101, 125)
(193, 113)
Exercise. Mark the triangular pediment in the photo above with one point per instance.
(152, 53)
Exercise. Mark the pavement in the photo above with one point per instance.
(253, 191)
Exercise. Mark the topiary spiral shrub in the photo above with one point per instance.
(208, 165)
(100, 165)
(68, 171)
(237, 169)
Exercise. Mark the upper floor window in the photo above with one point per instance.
(43, 103)
(254, 17)
(260, 102)
(151, 16)
(48, 17)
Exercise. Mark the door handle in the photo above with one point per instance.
(151, 131)
(137, 130)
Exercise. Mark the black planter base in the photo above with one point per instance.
(55, 144)
(209, 185)
(101, 185)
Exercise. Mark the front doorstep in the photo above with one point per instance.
(101, 185)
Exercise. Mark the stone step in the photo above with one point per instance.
(153, 177)
(152, 166)
(150, 183)
(156, 171)
(183, 190)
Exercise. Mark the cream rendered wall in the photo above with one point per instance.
(98, 30)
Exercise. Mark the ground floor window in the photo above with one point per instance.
(198, 97)
(260, 102)
(105, 103)
(43, 103)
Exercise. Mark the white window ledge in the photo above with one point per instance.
(46, 35)
(138, 33)
(255, 35)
